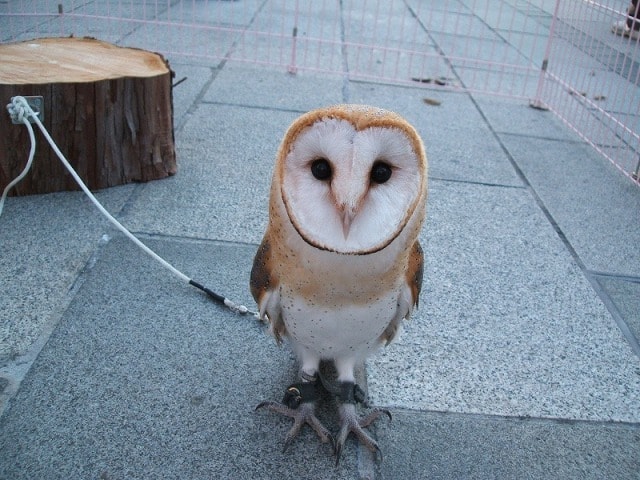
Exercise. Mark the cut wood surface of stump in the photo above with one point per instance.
(108, 108)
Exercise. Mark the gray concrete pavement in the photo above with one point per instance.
(522, 361)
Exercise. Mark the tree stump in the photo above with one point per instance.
(109, 109)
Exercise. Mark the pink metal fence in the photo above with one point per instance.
(592, 79)
(561, 55)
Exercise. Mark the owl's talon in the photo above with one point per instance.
(304, 413)
(352, 423)
(374, 415)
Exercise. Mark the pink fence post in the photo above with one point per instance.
(537, 101)
(292, 66)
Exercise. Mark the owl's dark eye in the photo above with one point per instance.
(321, 169)
(381, 172)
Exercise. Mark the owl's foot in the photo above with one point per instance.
(352, 423)
(299, 403)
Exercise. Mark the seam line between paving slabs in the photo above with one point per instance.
(15, 369)
(520, 418)
(616, 276)
(611, 306)
(195, 240)
(472, 182)
(576, 141)
(253, 107)
(595, 285)
(182, 121)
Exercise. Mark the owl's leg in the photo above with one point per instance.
(349, 394)
(299, 403)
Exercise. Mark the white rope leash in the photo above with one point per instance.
(20, 111)
(17, 112)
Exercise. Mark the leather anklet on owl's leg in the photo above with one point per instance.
(351, 422)
(299, 403)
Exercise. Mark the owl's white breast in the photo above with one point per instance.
(339, 329)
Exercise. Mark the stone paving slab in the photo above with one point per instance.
(226, 157)
(516, 117)
(46, 241)
(593, 204)
(446, 446)
(190, 81)
(242, 85)
(145, 377)
(625, 294)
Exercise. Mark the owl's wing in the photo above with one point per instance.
(265, 289)
(409, 295)
(415, 273)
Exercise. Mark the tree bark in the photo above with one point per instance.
(109, 109)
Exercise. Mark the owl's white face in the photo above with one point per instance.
(348, 190)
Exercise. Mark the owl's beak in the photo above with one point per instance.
(347, 203)
(347, 218)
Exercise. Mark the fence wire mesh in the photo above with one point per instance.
(561, 55)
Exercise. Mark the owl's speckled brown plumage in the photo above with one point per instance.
(340, 265)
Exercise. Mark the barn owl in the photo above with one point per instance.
(340, 265)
